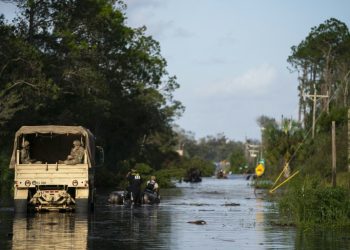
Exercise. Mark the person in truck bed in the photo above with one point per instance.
(76, 155)
(25, 155)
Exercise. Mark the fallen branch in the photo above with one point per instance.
(231, 204)
(198, 222)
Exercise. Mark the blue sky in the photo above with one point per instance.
(229, 56)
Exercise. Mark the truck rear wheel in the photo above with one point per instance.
(81, 205)
(20, 205)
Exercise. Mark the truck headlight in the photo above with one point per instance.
(34, 182)
(27, 183)
(75, 183)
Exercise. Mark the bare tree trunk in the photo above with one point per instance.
(346, 92)
(301, 94)
(31, 24)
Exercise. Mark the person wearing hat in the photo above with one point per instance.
(152, 185)
(76, 155)
(25, 155)
(135, 181)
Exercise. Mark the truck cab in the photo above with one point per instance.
(48, 183)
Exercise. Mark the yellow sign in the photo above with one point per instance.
(259, 170)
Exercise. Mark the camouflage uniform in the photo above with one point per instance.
(78, 155)
(25, 157)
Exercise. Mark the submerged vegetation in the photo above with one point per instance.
(312, 205)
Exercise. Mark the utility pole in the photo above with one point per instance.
(314, 99)
(262, 145)
(349, 139)
(334, 156)
(254, 152)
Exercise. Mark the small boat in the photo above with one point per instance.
(148, 196)
(124, 197)
(221, 174)
(193, 176)
(116, 197)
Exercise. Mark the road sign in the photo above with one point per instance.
(262, 161)
(259, 170)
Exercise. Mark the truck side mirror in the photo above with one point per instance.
(101, 156)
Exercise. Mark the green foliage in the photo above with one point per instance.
(215, 148)
(86, 67)
(280, 145)
(311, 205)
(6, 174)
(237, 160)
(337, 114)
(143, 169)
(205, 166)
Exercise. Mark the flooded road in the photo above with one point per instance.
(164, 226)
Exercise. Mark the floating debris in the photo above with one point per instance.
(198, 204)
(206, 210)
(231, 204)
(198, 222)
(214, 192)
(191, 204)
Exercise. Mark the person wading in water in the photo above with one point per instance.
(135, 181)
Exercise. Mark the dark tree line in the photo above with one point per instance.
(77, 63)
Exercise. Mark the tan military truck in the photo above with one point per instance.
(50, 185)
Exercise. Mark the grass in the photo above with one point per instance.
(262, 184)
(311, 205)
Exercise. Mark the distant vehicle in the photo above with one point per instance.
(193, 175)
(49, 185)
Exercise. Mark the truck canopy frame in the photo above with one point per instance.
(52, 143)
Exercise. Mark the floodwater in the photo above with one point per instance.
(164, 226)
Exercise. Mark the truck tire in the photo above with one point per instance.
(81, 205)
(20, 205)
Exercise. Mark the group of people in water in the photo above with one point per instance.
(76, 156)
(134, 188)
(221, 173)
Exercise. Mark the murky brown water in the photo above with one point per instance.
(165, 226)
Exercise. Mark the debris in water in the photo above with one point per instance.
(214, 192)
(198, 204)
(231, 204)
(198, 222)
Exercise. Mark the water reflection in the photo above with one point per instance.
(128, 227)
(164, 226)
(50, 231)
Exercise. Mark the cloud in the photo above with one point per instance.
(254, 82)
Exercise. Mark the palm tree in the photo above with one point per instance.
(282, 144)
